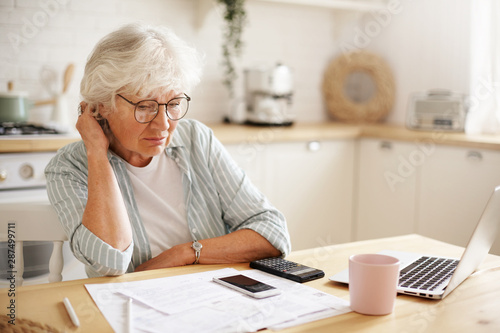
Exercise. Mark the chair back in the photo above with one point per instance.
(34, 221)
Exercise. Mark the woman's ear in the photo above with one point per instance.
(99, 112)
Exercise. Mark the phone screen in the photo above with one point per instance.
(247, 283)
(248, 286)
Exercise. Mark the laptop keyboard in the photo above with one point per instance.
(427, 273)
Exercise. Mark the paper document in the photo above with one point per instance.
(194, 303)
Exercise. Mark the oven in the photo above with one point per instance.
(22, 182)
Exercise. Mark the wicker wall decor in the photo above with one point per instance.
(341, 106)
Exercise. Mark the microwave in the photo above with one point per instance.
(437, 110)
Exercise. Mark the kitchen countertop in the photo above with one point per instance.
(241, 134)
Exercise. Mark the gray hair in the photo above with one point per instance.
(139, 60)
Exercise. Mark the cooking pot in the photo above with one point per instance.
(14, 106)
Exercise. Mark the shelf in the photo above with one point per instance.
(205, 6)
(358, 5)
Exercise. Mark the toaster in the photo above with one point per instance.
(437, 109)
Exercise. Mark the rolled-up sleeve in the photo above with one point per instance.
(67, 190)
(243, 205)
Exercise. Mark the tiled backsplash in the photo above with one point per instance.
(36, 35)
(425, 43)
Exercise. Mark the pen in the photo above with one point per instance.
(71, 312)
(129, 315)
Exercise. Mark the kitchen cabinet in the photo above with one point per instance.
(250, 157)
(385, 189)
(455, 184)
(309, 182)
(422, 187)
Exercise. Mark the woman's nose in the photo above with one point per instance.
(161, 120)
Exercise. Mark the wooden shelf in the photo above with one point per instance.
(205, 6)
(357, 5)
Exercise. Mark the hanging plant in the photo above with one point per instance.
(235, 18)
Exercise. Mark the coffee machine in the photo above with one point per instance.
(268, 96)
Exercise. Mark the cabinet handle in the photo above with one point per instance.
(3, 175)
(386, 145)
(473, 155)
(313, 146)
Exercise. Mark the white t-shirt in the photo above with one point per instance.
(160, 198)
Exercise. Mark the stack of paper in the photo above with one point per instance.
(194, 303)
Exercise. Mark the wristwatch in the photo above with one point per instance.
(196, 246)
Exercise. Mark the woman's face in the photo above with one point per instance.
(135, 142)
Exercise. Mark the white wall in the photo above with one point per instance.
(426, 44)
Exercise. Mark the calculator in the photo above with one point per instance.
(287, 269)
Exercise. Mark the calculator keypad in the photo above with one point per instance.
(279, 264)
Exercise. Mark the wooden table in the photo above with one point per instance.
(472, 307)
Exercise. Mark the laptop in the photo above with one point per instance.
(436, 277)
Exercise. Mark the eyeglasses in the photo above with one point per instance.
(147, 110)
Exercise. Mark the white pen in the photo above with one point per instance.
(71, 312)
(129, 316)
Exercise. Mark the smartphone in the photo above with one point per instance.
(248, 286)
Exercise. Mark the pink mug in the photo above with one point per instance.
(373, 281)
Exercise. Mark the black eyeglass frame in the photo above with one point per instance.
(186, 97)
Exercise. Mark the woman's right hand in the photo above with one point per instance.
(92, 134)
(105, 214)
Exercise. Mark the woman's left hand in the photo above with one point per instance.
(179, 255)
(239, 246)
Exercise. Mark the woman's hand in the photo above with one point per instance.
(179, 255)
(93, 136)
(239, 246)
(105, 213)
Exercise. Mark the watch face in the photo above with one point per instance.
(197, 246)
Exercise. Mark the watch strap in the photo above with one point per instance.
(196, 246)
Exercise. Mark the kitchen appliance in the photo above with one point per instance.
(9, 128)
(22, 182)
(14, 106)
(437, 109)
(268, 96)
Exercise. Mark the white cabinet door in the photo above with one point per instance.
(385, 202)
(455, 184)
(312, 184)
(251, 158)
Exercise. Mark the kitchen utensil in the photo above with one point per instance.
(14, 106)
(60, 116)
(68, 75)
(49, 78)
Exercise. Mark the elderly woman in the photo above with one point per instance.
(145, 189)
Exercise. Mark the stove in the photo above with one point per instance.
(25, 129)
